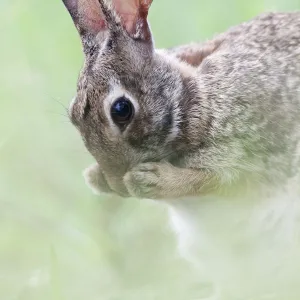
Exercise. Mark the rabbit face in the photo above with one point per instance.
(126, 107)
(127, 114)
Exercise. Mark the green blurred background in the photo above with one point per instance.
(58, 241)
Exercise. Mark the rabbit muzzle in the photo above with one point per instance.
(114, 179)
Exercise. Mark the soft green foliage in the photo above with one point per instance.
(58, 241)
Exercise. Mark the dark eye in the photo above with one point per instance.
(122, 111)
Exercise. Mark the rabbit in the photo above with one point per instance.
(210, 129)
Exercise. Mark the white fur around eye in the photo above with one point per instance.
(114, 94)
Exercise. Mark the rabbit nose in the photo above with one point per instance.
(71, 108)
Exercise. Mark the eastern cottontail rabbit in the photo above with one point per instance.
(218, 120)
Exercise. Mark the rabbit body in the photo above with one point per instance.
(214, 132)
(245, 236)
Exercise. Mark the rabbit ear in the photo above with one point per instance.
(94, 16)
(133, 15)
(87, 16)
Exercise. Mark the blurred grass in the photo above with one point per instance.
(58, 241)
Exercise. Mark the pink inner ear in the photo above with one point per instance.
(91, 16)
(134, 15)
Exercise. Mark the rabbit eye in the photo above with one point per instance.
(122, 111)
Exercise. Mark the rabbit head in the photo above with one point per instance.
(127, 104)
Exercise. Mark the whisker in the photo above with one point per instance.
(57, 113)
(60, 103)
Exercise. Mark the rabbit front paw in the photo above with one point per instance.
(145, 181)
(95, 180)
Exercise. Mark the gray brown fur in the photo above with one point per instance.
(235, 101)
